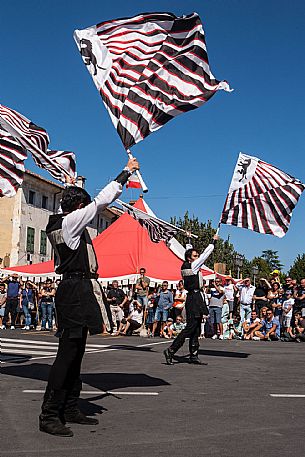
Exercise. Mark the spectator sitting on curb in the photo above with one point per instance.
(251, 325)
(133, 321)
(299, 327)
(177, 326)
(167, 331)
(270, 328)
(235, 328)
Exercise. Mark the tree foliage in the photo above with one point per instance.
(272, 259)
(297, 271)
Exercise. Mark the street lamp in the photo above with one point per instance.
(254, 272)
(239, 261)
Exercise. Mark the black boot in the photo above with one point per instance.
(72, 413)
(49, 419)
(169, 354)
(194, 359)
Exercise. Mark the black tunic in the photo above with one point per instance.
(78, 302)
(195, 302)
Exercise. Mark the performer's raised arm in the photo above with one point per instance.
(197, 263)
(81, 213)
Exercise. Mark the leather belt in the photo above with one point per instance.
(79, 275)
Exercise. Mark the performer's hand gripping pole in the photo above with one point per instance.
(143, 185)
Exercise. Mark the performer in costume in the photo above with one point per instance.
(195, 305)
(79, 302)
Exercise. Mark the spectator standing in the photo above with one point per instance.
(142, 288)
(14, 285)
(28, 302)
(116, 298)
(288, 285)
(217, 301)
(275, 296)
(164, 303)
(287, 311)
(47, 294)
(246, 291)
(260, 296)
(229, 294)
(2, 303)
(179, 300)
(299, 296)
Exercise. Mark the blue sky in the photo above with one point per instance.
(257, 46)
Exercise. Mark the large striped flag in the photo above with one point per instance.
(261, 197)
(12, 157)
(36, 140)
(148, 69)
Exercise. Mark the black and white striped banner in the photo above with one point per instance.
(12, 157)
(261, 197)
(148, 69)
(157, 229)
(36, 140)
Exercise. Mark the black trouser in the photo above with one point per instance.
(65, 371)
(10, 307)
(191, 331)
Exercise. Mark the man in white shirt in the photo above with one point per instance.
(79, 302)
(246, 292)
(229, 294)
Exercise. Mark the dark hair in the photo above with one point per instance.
(143, 269)
(188, 253)
(72, 196)
(2, 284)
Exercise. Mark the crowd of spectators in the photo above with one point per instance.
(268, 311)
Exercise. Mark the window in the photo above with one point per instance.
(43, 242)
(32, 197)
(44, 202)
(30, 239)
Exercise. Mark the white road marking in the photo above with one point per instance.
(98, 392)
(288, 395)
(27, 352)
(45, 343)
(49, 355)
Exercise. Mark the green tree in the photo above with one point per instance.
(272, 258)
(297, 271)
(224, 250)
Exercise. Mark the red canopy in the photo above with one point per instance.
(122, 249)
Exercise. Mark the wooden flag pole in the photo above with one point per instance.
(143, 185)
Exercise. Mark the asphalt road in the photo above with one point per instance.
(147, 408)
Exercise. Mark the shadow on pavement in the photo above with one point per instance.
(101, 381)
(240, 355)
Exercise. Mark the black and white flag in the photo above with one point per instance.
(157, 229)
(148, 69)
(12, 157)
(261, 197)
(36, 140)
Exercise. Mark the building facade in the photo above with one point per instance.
(23, 220)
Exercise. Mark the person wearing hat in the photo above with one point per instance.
(275, 276)
(79, 301)
(14, 284)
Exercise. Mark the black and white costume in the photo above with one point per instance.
(80, 307)
(195, 305)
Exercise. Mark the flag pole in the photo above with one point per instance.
(15, 133)
(143, 185)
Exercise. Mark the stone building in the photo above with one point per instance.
(23, 219)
